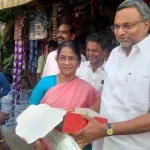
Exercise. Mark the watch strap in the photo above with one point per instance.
(109, 126)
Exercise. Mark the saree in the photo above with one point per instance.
(72, 94)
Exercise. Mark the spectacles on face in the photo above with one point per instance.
(71, 59)
(124, 26)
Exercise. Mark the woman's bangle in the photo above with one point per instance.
(2, 140)
(36, 143)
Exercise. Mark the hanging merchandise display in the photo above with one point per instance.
(33, 56)
(18, 61)
(17, 70)
(54, 21)
(38, 26)
(20, 37)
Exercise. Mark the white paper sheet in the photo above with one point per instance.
(86, 111)
(37, 121)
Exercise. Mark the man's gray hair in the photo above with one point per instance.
(140, 5)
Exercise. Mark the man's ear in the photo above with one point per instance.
(56, 59)
(79, 63)
(73, 36)
(147, 25)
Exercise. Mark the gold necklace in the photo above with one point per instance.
(60, 79)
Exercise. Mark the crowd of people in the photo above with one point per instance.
(117, 86)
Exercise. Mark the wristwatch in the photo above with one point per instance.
(109, 129)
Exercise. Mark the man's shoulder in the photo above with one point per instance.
(116, 50)
(113, 56)
(114, 53)
(1, 75)
(51, 56)
(53, 53)
(83, 59)
(41, 57)
(84, 64)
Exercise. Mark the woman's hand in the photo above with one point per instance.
(4, 146)
(4, 117)
(39, 146)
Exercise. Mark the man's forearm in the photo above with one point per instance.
(1, 136)
(5, 92)
(135, 126)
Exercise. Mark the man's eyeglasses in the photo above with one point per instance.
(70, 59)
(125, 26)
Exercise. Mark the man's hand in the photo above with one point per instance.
(4, 117)
(39, 146)
(92, 131)
(4, 146)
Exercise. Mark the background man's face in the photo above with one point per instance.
(94, 52)
(64, 34)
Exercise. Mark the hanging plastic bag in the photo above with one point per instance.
(6, 107)
(61, 141)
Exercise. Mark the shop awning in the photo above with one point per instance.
(12, 3)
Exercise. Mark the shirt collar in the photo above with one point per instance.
(89, 65)
(143, 45)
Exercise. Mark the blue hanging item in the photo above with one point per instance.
(33, 56)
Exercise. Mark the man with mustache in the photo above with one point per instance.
(125, 100)
(93, 71)
(65, 33)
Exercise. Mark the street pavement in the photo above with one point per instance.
(15, 142)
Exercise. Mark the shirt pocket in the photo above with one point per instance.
(136, 94)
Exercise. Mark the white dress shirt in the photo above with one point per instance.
(51, 66)
(126, 95)
(96, 78)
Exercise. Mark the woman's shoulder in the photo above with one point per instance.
(88, 89)
(85, 84)
(49, 78)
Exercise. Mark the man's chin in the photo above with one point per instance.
(59, 42)
(92, 61)
(125, 45)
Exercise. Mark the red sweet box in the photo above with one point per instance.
(75, 122)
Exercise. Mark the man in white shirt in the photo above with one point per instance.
(93, 71)
(50, 46)
(65, 33)
(125, 100)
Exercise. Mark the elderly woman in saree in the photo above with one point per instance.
(65, 90)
